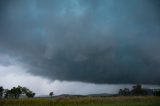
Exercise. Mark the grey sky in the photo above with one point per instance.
(90, 41)
(14, 75)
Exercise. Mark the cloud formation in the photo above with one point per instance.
(14, 75)
(106, 41)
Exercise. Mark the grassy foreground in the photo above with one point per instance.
(84, 101)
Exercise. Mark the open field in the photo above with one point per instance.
(84, 101)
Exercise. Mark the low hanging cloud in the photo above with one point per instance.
(97, 41)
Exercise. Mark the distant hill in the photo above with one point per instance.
(101, 94)
(72, 95)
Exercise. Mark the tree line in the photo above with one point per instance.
(137, 90)
(16, 92)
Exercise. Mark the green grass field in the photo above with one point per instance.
(84, 101)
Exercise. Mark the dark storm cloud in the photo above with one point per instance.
(99, 41)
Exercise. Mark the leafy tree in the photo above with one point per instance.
(7, 93)
(120, 92)
(28, 92)
(24, 90)
(137, 90)
(1, 92)
(156, 92)
(16, 91)
(124, 92)
(51, 94)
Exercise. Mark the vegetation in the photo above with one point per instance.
(51, 94)
(1, 91)
(135, 97)
(137, 90)
(84, 101)
(16, 92)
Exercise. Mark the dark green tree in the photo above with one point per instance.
(7, 93)
(16, 91)
(28, 92)
(1, 92)
(137, 90)
(51, 94)
(156, 92)
(120, 92)
(124, 92)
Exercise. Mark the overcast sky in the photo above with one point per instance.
(62, 45)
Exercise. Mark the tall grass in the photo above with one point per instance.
(84, 101)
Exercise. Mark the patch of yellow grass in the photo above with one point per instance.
(89, 101)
